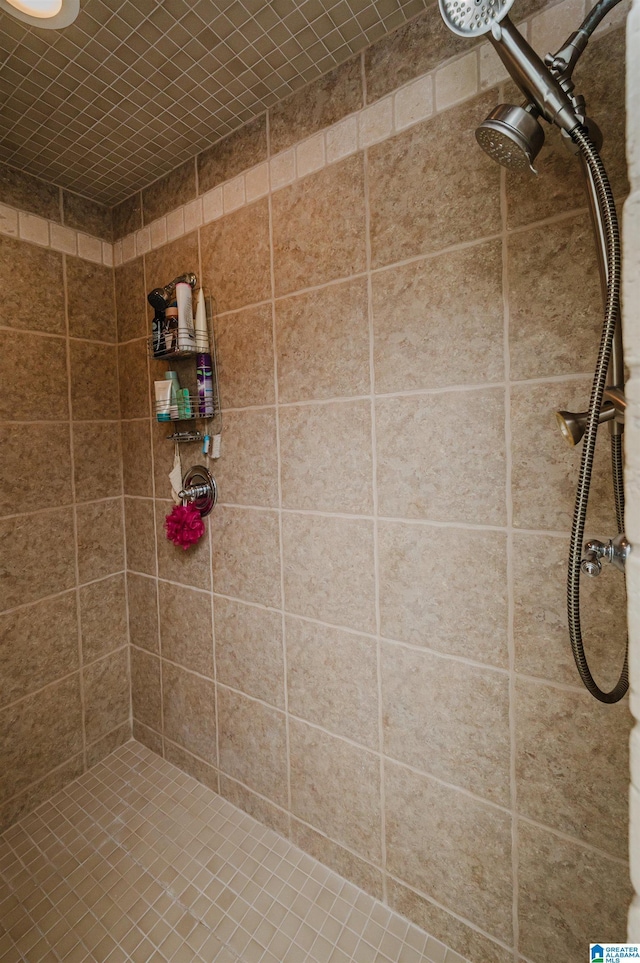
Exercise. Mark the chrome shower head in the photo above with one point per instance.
(472, 18)
(511, 136)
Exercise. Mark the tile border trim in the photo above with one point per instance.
(46, 233)
(451, 83)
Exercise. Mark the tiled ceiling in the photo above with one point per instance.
(134, 87)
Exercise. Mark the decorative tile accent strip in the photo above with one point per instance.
(45, 233)
(451, 83)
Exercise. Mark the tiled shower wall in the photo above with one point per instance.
(64, 678)
(369, 649)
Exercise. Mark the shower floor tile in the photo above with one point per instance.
(135, 860)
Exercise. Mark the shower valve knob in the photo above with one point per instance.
(591, 565)
(616, 551)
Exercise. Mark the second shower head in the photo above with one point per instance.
(511, 136)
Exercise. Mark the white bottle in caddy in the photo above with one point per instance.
(186, 330)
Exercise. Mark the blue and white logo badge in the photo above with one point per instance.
(613, 952)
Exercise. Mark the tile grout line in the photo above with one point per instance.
(209, 527)
(510, 564)
(274, 338)
(72, 480)
(124, 526)
(374, 498)
(155, 520)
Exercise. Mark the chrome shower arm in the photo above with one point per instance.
(532, 76)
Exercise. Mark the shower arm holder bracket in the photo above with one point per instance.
(199, 488)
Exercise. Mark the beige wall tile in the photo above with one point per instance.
(134, 380)
(420, 201)
(190, 764)
(235, 257)
(189, 709)
(253, 746)
(327, 458)
(247, 472)
(47, 356)
(545, 469)
(100, 539)
(148, 737)
(98, 750)
(557, 188)
(136, 458)
(131, 300)
(169, 192)
(103, 617)
(86, 215)
(317, 105)
(540, 625)
(143, 612)
(421, 312)
(323, 343)
(38, 734)
(335, 786)
(246, 555)
(146, 692)
(244, 148)
(91, 304)
(262, 810)
(553, 276)
(170, 261)
(565, 892)
(332, 680)
(449, 719)
(559, 734)
(127, 216)
(319, 227)
(600, 76)
(249, 653)
(40, 792)
(38, 559)
(412, 50)
(328, 569)
(43, 309)
(348, 865)
(94, 381)
(423, 568)
(21, 190)
(96, 459)
(35, 468)
(244, 344)
(141, 538)
(439, 838)
(107, 694)
(186, 630)
(190, 567)
(442, 457)
(449, 929)
(38, 645)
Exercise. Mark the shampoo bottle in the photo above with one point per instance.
(186, 334)
(204, 371)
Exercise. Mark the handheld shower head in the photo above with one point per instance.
(511, 136)
(472, 18)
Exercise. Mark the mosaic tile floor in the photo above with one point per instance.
(137, 861)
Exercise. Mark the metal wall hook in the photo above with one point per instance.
(199, 487)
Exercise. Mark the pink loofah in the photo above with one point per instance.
(184, 526)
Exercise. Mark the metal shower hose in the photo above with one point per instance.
(612, 312)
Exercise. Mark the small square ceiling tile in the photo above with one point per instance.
(134, 88)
